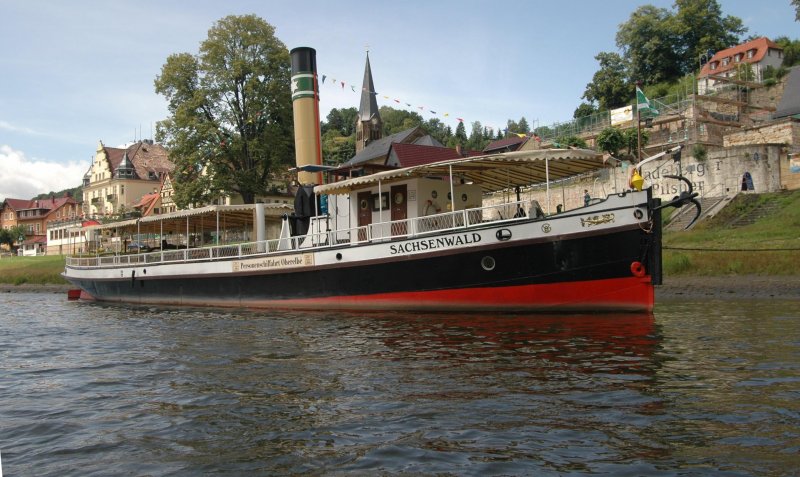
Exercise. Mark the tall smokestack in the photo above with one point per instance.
(305, 104)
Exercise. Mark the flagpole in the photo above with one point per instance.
(638, 135)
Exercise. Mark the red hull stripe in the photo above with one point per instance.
(632, 293)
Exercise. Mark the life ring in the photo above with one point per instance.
(637, 269)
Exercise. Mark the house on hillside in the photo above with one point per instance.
(746, 61)
(119, 177)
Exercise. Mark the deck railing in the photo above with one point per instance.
(321, 237)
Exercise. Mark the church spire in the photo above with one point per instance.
(369, 125)
(369, 106)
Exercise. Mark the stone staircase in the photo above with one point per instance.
(765, 208)
(683, 216)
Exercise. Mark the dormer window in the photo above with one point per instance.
(751, 53)
(713, 65)
(738, 57)
(725, 61)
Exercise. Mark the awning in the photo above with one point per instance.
(200, 219)
(491, 172)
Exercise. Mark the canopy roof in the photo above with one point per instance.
(492, 172)
(200, 219)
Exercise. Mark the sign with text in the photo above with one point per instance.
(274, 263)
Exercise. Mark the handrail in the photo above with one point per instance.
(379, 231)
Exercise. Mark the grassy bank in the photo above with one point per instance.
(769, 246)
(32, 270)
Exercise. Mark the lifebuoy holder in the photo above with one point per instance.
(637, 269)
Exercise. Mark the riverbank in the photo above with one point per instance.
(674, 288)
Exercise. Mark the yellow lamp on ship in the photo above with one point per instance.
(637, 181)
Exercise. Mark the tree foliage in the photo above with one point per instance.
(701, 27)
(342, 120)
(13, 234)
(791, 50)
(648, 41)
(611, 140)
(518, 127)
(230, 121)
(610, 87)
(397, 120)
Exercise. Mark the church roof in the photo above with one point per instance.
(408, 155)
(369, 105)
(379, 148)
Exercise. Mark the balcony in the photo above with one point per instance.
(111, 197)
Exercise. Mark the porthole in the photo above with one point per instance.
(638, 214)
(363, 204)
(338, 256)
(487, 263)
(434, 194)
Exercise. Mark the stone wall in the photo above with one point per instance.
(782, 132)
(720, 174)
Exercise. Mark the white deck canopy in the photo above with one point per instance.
(492, 172)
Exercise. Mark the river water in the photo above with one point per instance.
(700, 388)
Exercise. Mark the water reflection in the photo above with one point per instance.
(698, 389)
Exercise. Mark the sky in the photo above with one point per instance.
(73, 73)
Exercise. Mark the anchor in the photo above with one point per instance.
(684, 198)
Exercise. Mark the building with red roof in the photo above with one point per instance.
(35, 216)
(746, 61)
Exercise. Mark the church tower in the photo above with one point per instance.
(369, 126)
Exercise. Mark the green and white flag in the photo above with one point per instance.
(643, 105)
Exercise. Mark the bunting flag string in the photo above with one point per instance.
(409, 105)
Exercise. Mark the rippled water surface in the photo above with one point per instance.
(701, 388)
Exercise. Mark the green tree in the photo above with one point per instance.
(791, 50)
(342, 120)
(584, 110)
(572, 140)
(460, 136)
(648, 41)
(397, 120)
(610, 87)
(337, 148)
(230, 121)
(6, 238)
(796, 4)
(631, 139)
(611, 140)
(518, 127)
(477, 141)
(438, 130)
(12, 235)
(701, 27)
